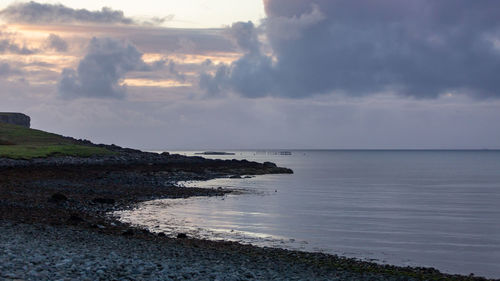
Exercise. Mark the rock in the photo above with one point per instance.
(128, 232)
(235, 177)
(104, 200)
(249, 275)
(75, 219)
(269, 165)
(15, 119)
(182, 236)
(161, 234)
(58, 198)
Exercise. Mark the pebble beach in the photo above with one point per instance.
(54, 226)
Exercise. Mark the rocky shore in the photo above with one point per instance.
(41, 252)
(53, 225)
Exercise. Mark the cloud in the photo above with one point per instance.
(38, 13)
(172, 70)
(5, 69)
(11, 71)
(56, 43)
(421, 49)
(99, 73)
(246, 37)
(8, 45)
(158, 21)
(251, 75)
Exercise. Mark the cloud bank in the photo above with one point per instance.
(421, 49)
(99, 73)
(37, 13)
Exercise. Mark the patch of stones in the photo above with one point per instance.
(37, 252)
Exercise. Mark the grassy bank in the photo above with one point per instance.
(18, 142)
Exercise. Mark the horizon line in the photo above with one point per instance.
(331, 149)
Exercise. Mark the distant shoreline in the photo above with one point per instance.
(214, 153)
(235, 151)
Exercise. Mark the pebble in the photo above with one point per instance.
(81, 254)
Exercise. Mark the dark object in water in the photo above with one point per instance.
(214, 153)
(182, 236)
(104, 200)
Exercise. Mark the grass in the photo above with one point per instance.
(18, 142)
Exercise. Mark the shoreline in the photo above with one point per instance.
(67, 195)
(198, 234)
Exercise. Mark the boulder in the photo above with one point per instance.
(75, 219)
(104, 200)
(128, 232)
(58, 198)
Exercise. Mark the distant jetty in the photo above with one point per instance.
(15, 119)
(214, 153)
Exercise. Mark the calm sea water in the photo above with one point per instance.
(421, 208)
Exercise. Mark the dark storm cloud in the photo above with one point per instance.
(56, 43)
(37, 13)
(419, 48)
(245, 36)
(251, 75)
(100, 71)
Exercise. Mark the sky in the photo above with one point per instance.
(225, 74)
(182, 14)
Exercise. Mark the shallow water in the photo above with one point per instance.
(418, 208)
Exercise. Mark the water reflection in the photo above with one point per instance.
(437, 209)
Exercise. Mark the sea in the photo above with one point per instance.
(431, 208)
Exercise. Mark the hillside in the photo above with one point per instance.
(19, 142)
